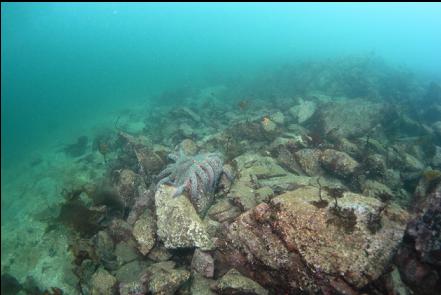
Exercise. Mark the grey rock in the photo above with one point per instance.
(104, 248)
(179, 225)
(303, 111)
(310, 237)
(350, 118)
(201, 285)
(375, 189)
(203, 263)
(159, 253)
(437, 128)
(144, 232)
(278, 118)
(126, 251)
(309, 161)
(233, 282)
(165, 279)
(338, 163)
(102, 282)
(223, 210)
(131, 271)
(436, 160)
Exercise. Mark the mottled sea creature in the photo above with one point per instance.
(197, 174)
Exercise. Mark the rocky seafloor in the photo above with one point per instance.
(317, 178)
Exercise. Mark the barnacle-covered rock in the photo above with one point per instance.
(164, 278)
(293, 244)
(103, 282)
(309, 161)
(133, 288)
(127, 186)
(144, 232)
(338, 163)
(179, 225)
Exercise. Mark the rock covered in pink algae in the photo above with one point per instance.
(292, 245)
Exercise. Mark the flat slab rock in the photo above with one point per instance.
(350, 118)
(296, 242)
(178, 224)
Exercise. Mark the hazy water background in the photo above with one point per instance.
(72, 69)
(64, 65)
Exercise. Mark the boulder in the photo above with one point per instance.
(186, 130)
(242, 196)
(294, 245)
(133, 288)
(178, 223)
(203, 263)
(184, 114)
(144, 232)
(104, 249)
(437, 128)
(131, 272)
(411, 164)
(338, 163)
(256, 170)
(126, 251)
(375, 189)
(278, 118)
(268, 126)
(418, 258)
(309, 161)
(350, 118)
(127, 186)
(223, 211)
(233, 282)
(436, 159)
(201, 285)
(189, 147)
(303, 110)
(164, 278)
(159, 253)
(102, 282)
(120, 230)
(264, 194)
(151, 161)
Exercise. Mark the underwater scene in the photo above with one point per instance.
(221, 148)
